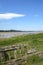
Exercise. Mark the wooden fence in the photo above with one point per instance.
(15, 54)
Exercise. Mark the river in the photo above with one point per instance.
(13, 34)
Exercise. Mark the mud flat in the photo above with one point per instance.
(13, 34)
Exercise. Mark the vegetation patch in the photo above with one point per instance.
(33, 41)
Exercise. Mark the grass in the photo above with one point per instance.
(33, 40)
(34, 60)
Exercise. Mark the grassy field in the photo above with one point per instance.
(33, 41)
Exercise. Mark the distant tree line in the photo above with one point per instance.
(10, 31)
(15, 31)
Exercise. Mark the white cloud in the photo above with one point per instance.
(10, 15)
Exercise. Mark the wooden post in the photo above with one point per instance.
(9, 56)
(20, 50)
(15, 56)
(0, 57)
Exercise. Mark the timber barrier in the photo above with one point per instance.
(16, 54)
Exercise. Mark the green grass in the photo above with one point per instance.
(39, 63)
(33, 41)
(34, 60)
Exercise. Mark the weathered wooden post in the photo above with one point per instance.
(25, 48)
(0, 58)
(20, 50)
(15, 52)
(9, 57)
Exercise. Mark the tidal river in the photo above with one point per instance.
(13, 34)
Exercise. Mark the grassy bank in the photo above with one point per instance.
(33, 41)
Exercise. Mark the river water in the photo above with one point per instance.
(13, 34)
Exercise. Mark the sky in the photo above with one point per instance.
(26, 15)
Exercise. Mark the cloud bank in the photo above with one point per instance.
(10, 15)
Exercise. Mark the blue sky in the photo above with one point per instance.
(21, 15)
